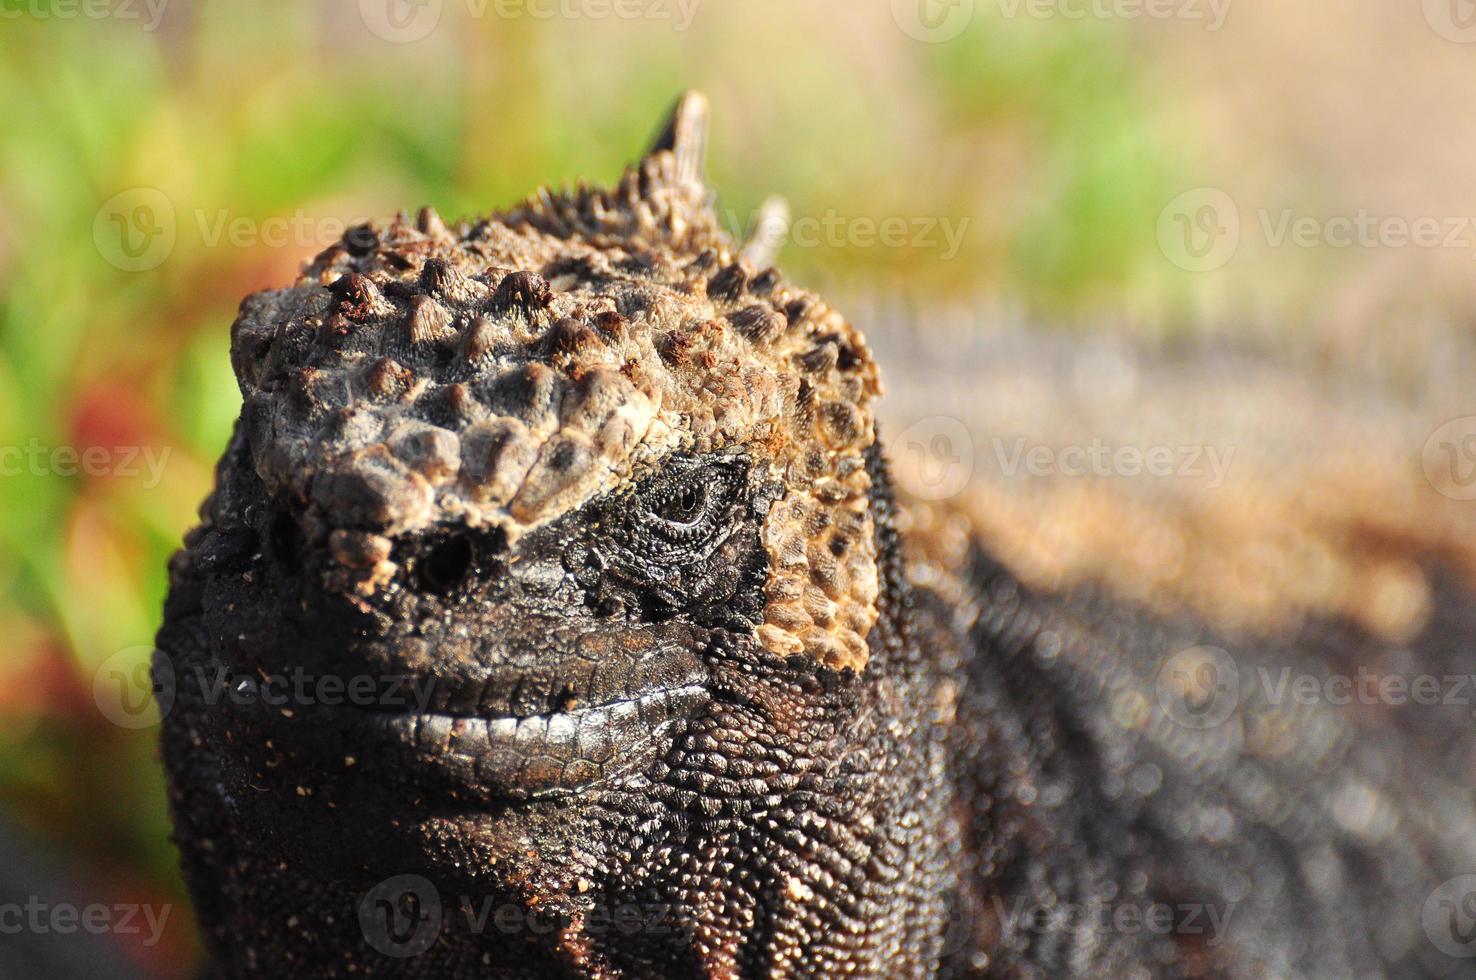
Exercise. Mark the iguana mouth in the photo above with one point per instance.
(536, 755)
(503, 731)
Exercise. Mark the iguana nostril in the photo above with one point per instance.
(284, 538)
(448, 564)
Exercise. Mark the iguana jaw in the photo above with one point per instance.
(504, 734)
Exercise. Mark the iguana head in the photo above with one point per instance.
(597, 493)
(490, 380)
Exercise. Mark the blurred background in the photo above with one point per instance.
(1290, 180)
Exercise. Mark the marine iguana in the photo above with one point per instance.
(554, 616)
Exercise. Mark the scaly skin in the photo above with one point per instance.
(659, 681)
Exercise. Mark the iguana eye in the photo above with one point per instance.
(685, 506)
(686, 509)
(682, 541)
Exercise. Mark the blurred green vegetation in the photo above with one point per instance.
(1038, 141)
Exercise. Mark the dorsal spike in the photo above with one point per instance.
(685, 135)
